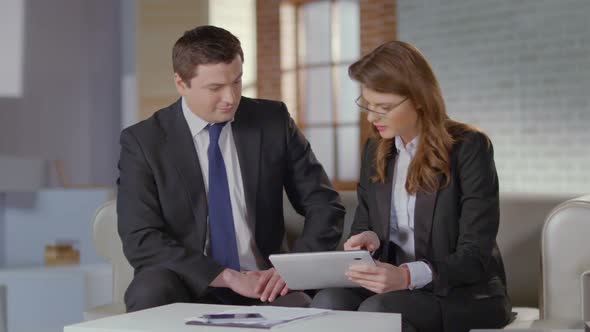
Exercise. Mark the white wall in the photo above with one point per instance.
(11, 39)
(520, 70)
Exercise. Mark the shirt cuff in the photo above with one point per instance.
(420, 274)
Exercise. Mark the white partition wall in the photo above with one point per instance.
(21, 174)
(11, 43)
(54, 296)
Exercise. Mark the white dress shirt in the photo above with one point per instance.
(401, 226)
(249, 255)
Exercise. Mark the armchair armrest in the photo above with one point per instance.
(104, 311)
(586, 295)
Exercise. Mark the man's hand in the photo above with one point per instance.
(380, 279)
(366, 240)
(270, 284)
(244, 284)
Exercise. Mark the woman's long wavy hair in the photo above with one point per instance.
(400, 68)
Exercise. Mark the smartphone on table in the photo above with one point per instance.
(229, 318)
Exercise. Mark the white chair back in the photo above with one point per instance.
(565, 256)
(108, 245)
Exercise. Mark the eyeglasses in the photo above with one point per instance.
(383, 110)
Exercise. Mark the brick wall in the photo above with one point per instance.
(268, 48)
(378, 25)
(520, 70)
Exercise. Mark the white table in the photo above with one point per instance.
(170, 318)
(528, 330)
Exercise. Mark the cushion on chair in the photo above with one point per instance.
(522, 216)
(525, 317)
(294, 221)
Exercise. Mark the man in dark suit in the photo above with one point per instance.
(201, 181)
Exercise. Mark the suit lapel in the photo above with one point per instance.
(383, 197)
(247, 140)
(180, 150)
(423, 217)
(423, 211)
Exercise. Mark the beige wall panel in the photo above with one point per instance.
(159, 24)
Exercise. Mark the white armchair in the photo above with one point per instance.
(565, 257)
(108, 245)
(565, 260)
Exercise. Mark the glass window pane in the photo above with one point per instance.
(315, 31)
(346, 27)
(347, 91)
(289, 92)
(348, 153)
(322, 144)
(241, 21)
(287, 17)
(249, 91)
(318, 96)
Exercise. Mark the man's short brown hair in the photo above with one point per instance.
(205, 44)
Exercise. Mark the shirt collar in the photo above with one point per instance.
(195, 123)
(410, 148)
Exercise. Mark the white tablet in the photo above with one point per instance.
(319, 269)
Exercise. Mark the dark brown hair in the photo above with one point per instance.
(205, 44)
(398, 67)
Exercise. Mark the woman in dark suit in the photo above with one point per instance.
(427, 205)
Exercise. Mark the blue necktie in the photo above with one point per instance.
(221, 221)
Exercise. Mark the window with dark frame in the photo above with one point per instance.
(319, 40)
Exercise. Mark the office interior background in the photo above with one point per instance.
(74, 73)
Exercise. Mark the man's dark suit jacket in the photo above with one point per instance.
(162, 203)
(454, 231)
